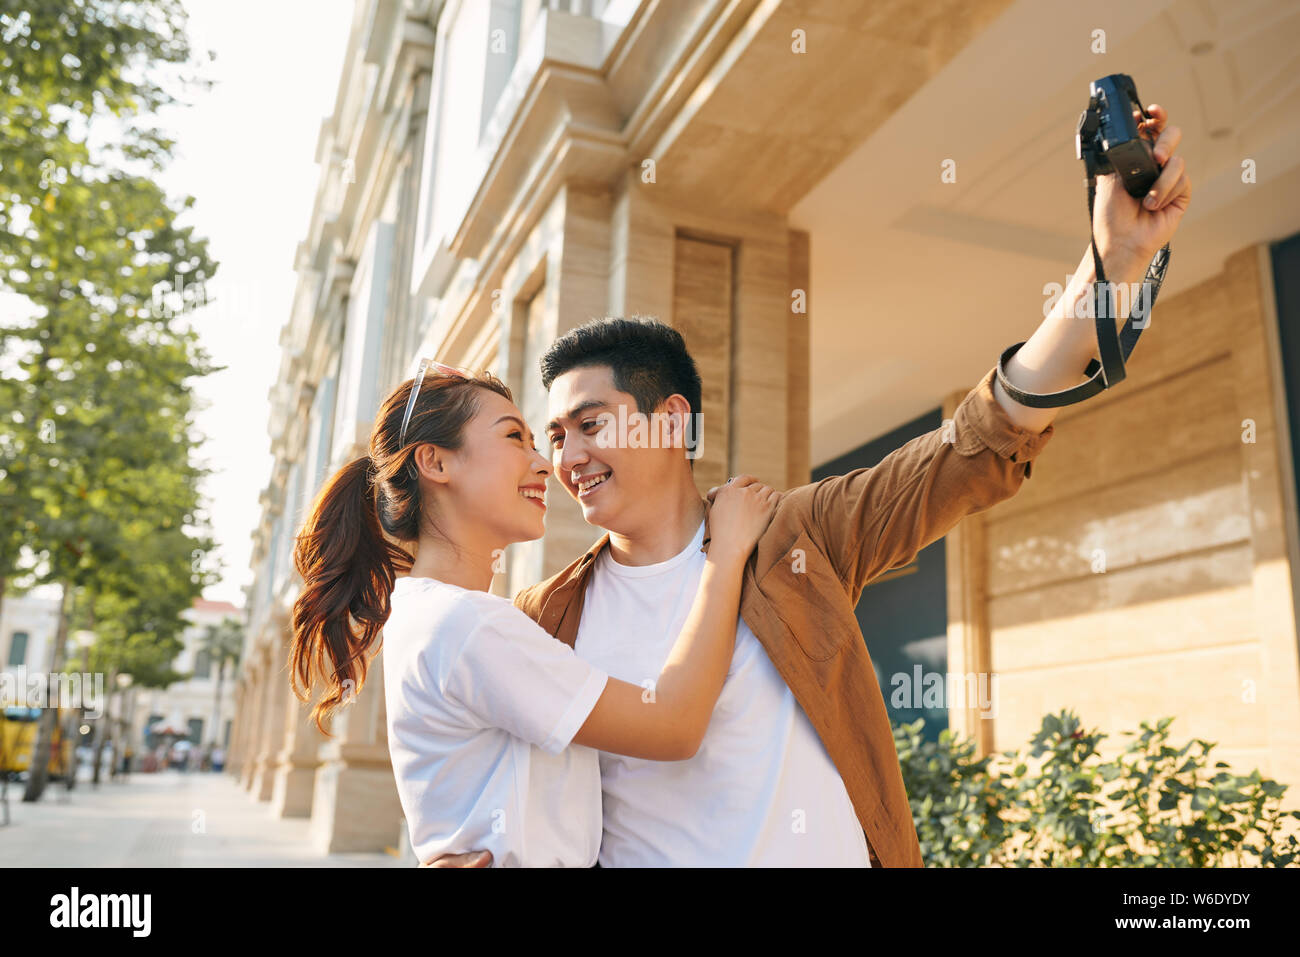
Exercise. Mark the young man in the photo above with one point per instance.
(798, 766)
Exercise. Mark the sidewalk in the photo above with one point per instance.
(167, 819)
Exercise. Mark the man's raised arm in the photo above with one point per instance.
(871, 520)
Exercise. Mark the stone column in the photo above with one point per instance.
(246, 718)
(969, 635)
(298, 757)
(721, 277)
(253, 705)
(275, 690)
(798, 422)
(558, 280)
(354, 804)
(234, 754)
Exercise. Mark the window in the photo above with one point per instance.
(365, 310)
(505, 20)
(18, 648)
(196, 730)
(203, 665)
(1286, 283)
(152, 740)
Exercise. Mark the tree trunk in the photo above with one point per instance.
(117, 731)
(72, 735)
(37, 774)
(128, 728)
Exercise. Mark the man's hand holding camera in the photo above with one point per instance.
(1129, 232)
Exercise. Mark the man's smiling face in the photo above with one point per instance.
(617, 486)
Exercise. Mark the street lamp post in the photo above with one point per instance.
(125, 693)
(84, 640)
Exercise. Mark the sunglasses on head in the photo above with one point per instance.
(425, 365)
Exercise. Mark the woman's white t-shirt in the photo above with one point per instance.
(481, 706)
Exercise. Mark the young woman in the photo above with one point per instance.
(491, 721)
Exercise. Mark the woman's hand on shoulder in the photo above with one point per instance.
(741, 511)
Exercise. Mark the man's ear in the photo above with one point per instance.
(678, 410)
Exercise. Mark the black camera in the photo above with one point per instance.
(1108, 140)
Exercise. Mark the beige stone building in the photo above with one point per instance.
(849, 208)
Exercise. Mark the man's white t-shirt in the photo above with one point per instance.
(761, 791)
(482, 705)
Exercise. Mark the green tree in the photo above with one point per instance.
(99, 490)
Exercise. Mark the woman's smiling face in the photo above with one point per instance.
(495, 484)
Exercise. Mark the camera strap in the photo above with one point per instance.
(1114, 347)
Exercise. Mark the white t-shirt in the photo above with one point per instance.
(761, 791)
(482, 704)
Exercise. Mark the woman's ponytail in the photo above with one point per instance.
(348, 570)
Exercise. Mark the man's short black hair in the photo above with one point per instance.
(648, 360)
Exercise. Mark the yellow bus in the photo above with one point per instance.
(18, 726)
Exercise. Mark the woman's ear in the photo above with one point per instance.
(430, 461)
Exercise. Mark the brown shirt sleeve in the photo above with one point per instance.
(873, 519)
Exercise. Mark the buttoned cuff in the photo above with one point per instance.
(980, 422)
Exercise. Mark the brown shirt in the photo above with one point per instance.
(825, 543)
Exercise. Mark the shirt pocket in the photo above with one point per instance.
(806, 595)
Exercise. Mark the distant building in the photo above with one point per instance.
(189, 705)
(28, 625)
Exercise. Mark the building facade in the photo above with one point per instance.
(29, 625)
(848, 218)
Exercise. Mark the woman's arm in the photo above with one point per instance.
(668, 724)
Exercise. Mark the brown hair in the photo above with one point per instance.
(345, 552)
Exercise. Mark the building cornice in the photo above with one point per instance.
(586, 99)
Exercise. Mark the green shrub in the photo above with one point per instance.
(1063, 806)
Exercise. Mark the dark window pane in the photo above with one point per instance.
(152, 740)
(18, 649)
(904, 613)
(1286, 282)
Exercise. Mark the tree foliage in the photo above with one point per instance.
(98, 486)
